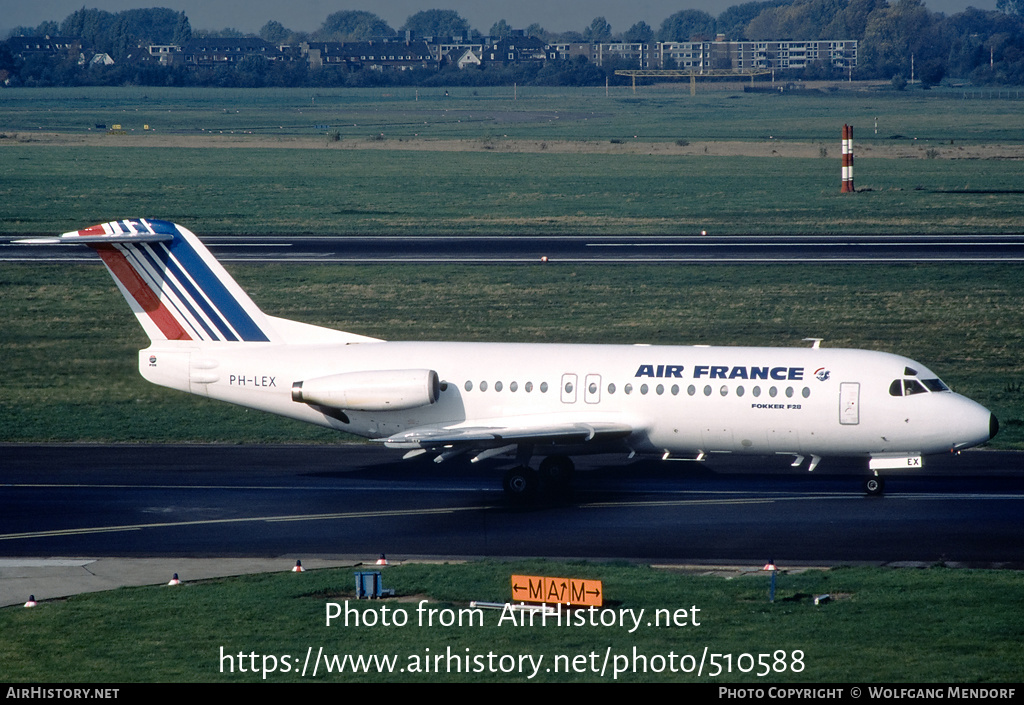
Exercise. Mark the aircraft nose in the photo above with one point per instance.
(973, 424)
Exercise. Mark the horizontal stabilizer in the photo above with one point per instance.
(76, 239)
(136, 231)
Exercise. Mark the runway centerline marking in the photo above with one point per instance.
(238, 520)
(691, 502)
(252, 244)
(823, 243)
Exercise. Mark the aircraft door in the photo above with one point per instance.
(849, 403)
(568, 388)
(592, 391)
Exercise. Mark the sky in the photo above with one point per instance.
(308, 15)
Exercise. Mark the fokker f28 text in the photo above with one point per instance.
(488, 399)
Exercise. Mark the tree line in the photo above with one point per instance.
(895, 38)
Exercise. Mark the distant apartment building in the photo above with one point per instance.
(719, 54)
(393, 54)
(64, 47)
(515, 50)
(841, 54)
(165, 54)
(640, 55)
(218, 51)
(378, 55)
(25, 47)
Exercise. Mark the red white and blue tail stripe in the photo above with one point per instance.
(174, 285)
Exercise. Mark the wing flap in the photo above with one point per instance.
(498, 434)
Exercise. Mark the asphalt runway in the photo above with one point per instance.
(305, 501)
(608, 249)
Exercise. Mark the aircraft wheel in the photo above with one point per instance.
(557, 470)
(874, 486)
(521, 483)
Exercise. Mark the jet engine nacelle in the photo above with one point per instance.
(377, 390)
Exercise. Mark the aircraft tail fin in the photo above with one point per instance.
(175, 287)
(179, 291)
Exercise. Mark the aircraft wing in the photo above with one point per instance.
(500, 432)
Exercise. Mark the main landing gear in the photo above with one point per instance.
(522, 483)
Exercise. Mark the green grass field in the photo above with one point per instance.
(274, 186)
(882, 626)
(212, 191)
(663, 112)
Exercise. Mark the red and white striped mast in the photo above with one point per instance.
(847, 159)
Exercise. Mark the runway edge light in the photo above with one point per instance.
(298, 567)
(770, 567)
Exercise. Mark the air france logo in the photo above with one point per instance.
(822, 374)
(723, 372)
(660, 371)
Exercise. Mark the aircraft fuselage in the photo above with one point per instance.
(819, 401)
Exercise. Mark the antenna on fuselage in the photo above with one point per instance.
(816, 342)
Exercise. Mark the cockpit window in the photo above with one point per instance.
(906, 387)
(912, 386)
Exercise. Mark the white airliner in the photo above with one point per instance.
(488, 399)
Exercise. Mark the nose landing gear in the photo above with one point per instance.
(874, 486)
